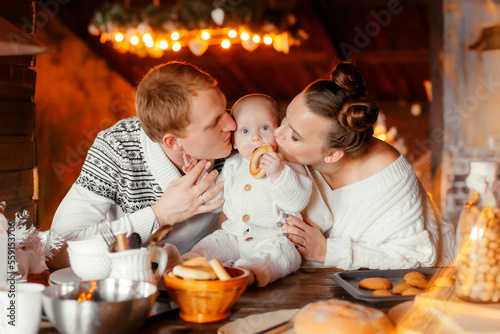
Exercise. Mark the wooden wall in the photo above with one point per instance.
(17, 119)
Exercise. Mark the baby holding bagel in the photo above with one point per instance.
(259, 188)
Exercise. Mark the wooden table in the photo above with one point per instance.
(294, 291)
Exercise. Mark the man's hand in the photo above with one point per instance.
(272, 164)
(186, 196)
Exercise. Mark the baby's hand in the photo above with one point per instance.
(272, 164)
(189, 163)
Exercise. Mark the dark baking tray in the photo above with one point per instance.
(349, 280)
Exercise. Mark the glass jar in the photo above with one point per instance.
(478, 231)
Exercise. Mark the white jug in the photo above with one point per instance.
(136, 264)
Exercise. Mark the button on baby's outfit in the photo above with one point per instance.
(247, 187)
(246, 218)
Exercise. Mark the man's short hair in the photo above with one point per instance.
(164, 96)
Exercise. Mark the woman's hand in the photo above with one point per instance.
(189, 163)
(307, 236)
(186, 196)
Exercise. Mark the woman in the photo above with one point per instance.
(380, 214)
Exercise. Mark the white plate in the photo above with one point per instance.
(63, 276)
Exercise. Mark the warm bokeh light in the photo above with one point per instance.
(268, 40)
(134, 40)
(175, 36)
(256, 38)
(149, 43)
(205, 35)
(163, 44)
(146, 38)
(232, 33)
(244, 36)
(176, 46)
(119, 37)
(225, 44)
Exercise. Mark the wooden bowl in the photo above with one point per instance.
(206, 301)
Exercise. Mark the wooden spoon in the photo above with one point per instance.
(159, 235)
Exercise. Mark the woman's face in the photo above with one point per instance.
(300, 137)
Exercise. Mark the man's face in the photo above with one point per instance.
(208, 136)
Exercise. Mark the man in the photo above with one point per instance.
(132, 177)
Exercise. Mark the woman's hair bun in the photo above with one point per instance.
(348, 78)
(358, 114)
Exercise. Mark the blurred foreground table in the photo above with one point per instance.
(294, 291)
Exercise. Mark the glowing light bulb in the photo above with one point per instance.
(119, 37)
(268, 40)
(134, 40)
(175, 36)
(163, 45)
(205, 35)
(232, 33)
(146, 38)
(176, 46)
(256, 38)
(225, 44)
(150, 43)
(244, 36)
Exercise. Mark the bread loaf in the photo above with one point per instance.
(336, 316)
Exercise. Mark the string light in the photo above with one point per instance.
(244, 36)
(205, 35)
(175, 36)
(130, 31)
(176, 46)
(134, 40)
(119, 37)
(225, 44)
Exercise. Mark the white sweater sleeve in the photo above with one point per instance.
(292, 189)
(82, 212)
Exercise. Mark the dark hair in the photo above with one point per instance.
(343, 100)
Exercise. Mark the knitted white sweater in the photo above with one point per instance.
(386, 221)
(262, 201)
(123, 175)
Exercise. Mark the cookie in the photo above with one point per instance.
(420, 283)
(414, 274)
(411, 292)
(398, 289)
(375, 283)
(382, 293)
(444, 282)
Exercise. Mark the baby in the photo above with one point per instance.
(249, 237)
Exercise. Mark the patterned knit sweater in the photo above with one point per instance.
(124, 174)
(386, 221)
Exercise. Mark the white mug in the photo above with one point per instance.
(21, 305)
(136, 264)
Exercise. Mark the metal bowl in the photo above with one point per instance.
(105, 306)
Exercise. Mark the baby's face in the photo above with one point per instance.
(255, 125)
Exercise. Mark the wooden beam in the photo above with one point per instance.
(377, 3)
(16, 153)
(437, 103)
(393, 56)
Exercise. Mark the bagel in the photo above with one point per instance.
(219, 270)
(255, 171)
(199, 273)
